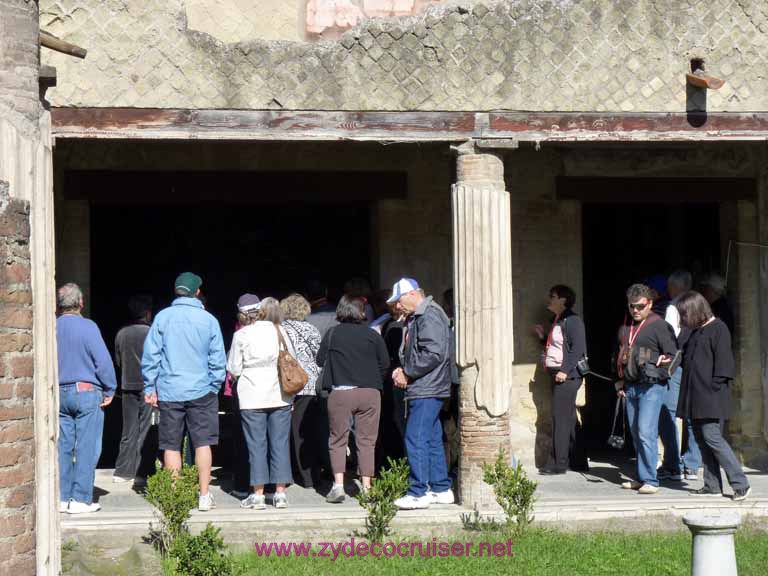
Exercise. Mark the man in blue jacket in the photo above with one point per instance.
(425, 375)
(87, 385)
(183, 366)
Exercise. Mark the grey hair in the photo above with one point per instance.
(681, 279)
(716, 282)
(69, 297)
(270, 311)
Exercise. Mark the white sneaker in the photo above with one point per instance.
(409, 502)
(441, 497)
(648, 489)
(689, 475)
(76, 507)
(205, 502)
(63, 506)
(280, 500)
(120, 480)
(254, 502)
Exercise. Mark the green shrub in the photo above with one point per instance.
(513, 490)
(174, 496)
(201, 555)
(378, 501)
(474, 522)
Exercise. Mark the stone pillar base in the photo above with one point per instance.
(481, 437)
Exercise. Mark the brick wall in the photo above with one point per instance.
(17, 467)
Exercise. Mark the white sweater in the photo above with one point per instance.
(253, 360)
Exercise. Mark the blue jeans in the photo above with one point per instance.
(643, 407)
(668, 424)
(424, 447)
(81, 424)
(691, 453)
(268, 436)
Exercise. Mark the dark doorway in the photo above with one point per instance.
(623, 244)
(147, 228)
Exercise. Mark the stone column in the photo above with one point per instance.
(483, 296)
(762, 207)
(714, 552)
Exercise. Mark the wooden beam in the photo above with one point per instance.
(260, 124)
(50, 41)
(658, 190)
(234, 187)
(266, 125)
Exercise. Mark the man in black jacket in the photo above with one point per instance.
(426, 377)
(647, 348)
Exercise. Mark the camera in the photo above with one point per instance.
(616, 441)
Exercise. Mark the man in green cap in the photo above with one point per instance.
(183, 366)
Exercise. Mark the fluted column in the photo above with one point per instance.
(483, 296)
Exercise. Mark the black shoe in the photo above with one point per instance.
(705, 492)
(739, 495)
(551, 471)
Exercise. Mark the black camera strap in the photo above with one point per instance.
(619, 405)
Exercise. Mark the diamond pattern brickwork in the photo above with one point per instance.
(539, 55)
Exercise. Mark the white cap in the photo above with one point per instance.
(401, 287)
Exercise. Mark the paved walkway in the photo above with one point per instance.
(570, 498)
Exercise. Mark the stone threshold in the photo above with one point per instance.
(301, 518)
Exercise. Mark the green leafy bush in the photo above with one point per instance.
(201, 555)
(174, 496)
(513, 490)
(378, 501)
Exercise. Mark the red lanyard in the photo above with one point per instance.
(633, 335)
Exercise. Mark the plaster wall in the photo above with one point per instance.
(539, 55)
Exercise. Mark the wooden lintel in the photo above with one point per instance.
(267, 125)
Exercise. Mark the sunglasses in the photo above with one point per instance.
(638, 307)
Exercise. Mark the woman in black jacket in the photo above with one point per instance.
(355, 360)
(708, 368)
(564, 345)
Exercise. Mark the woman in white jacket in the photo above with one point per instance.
(265, 410)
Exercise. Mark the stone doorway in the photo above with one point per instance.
(268, 233)
(624, 243)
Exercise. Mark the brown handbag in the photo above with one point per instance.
(292, 376)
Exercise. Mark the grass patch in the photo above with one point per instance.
(539, 552)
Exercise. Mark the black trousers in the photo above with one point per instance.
(138, 444)
(391, 440)
(240, 460)
(563, 421)
(309, 440)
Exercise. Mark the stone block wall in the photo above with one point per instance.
(539, 55)
(17, 466)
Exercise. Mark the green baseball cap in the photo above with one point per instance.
(188, 282)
